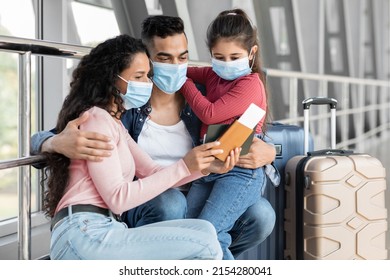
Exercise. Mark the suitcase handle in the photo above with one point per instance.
(330, 152)
(319, 101)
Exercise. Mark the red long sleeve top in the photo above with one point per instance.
(225, 100)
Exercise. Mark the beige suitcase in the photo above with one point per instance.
(335, 202)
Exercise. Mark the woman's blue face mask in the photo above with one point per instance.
(169, 77)
(137, 93)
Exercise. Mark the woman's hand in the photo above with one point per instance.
(201, 157)
(220, 167)
(260, 154)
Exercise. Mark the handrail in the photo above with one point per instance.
(29, 160)
(25, 48)
(366, 100)
(331, 78)
(40, 47)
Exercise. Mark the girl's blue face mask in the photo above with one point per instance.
(137, 93)
(169, 77)
(231, 70)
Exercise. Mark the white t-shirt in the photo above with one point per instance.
(165, 144)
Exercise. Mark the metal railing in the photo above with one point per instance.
(25, 48)
(378, 101)
(363, 108)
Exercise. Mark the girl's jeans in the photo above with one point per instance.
(222, 198)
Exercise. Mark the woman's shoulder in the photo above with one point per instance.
(101, 121)
(97, 113)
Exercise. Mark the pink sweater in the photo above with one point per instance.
(225, 100)
(110, 183)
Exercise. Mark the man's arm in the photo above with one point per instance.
(73, 143)
(38, 139)
(261, 154)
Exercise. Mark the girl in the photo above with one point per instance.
(83, 197)
(232, 83)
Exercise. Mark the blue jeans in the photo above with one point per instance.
(92, 236)
(250, 229)
(222, 198)
(169, 205)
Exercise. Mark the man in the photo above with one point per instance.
(166, 129)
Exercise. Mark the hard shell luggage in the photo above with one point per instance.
(335, 201)
(288, 141)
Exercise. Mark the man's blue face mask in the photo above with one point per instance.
(169, 77)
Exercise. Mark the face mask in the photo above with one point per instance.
(169, 77)
(231, 70)
(137, 94)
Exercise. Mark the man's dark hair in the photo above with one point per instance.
(160, 26)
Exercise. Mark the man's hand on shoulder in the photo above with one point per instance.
(76, 144)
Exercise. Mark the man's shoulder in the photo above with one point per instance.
(130, 116)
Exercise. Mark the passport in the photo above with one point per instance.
(238, 134)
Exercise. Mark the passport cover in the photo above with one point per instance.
(239, 131)
(214, 132)
(234, 137)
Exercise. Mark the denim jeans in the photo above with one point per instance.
(169, 205)
(222, 198)
(91, 236)
(250, 229)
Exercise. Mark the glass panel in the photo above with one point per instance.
(94, 24)
(336, 55)
(10, 25)
(154, 7)
(332, 16)
(11, 14)
(285, 84)
(368, 62)
(100, 3)
(279, 30)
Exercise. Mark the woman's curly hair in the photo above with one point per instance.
(93, 84)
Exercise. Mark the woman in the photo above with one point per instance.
(83, 197)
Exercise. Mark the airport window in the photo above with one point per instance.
(332, 16)
(95, 21)
(154, 7)
(10, 25)
(336, 55)
(279, 30)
